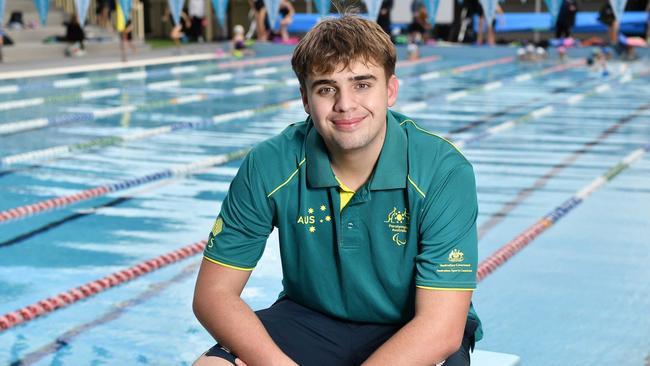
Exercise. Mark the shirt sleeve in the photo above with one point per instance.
(239, 234)
(448, 252)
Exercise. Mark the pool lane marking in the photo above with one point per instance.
(453, 96)
(52, 225)
(115, 312)
(498, 84)
(113, 140)
(531, 116)
(82, 213)
(38, 123)
(99, 191)
(23, 103)
(138, 75)
(514, 246)
(56, 151)
(498, 216)
(94, 287)
(102, 93)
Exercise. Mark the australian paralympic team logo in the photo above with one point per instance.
(398, 221)
(216, 229)
(314, 217)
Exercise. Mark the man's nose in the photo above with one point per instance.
(345, 101)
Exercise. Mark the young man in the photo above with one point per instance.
(376, 219)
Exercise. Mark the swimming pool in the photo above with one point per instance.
(104, 171)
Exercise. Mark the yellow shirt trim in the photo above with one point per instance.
(288, 179)
(345, 193)
(415, 186)
(445, 289)
(228, 265)
(432, 134)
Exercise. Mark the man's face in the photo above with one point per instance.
(349, 106)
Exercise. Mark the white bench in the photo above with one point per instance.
(487, 358)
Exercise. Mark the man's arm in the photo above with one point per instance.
(432, 335)
(220, 309)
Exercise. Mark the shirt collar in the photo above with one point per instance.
(390, 172)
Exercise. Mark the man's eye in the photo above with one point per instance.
(363, 86)
(326, 90)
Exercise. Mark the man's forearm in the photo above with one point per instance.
(235, 326)
(416, 343)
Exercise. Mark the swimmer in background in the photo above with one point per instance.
(238, 45)
(530, 53)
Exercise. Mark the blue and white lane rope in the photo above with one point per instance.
(507, 251)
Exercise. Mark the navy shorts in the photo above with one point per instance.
(312, 339)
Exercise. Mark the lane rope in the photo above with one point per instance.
(500, 215)
(507, 251)
(92, 288)
(99, 191)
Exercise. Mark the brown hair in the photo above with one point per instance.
(337, 42)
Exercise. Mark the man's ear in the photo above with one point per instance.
(305, 102)
(393, 87)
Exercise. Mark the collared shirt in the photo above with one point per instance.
(413, 224)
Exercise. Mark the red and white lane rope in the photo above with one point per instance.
(62, 201)
(91, 288)
(503, 254)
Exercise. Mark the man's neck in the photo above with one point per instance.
(354, 168)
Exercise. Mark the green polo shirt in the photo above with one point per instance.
(413, 224)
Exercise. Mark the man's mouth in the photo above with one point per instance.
(347, 124)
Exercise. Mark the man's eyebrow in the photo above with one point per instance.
(318, 82)
(364, 77)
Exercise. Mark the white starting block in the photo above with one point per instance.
(487, 358)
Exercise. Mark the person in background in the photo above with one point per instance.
(196, 12)
(606, 16)
(259, 10)
(104, 10)
(238, 46)
(376, 220)
(179, 31)
(286, 13)
(74, 35)
(2, 42)
(419, 28)
(384, 16)
(647, 24)
(491, 28)
(566, 18)
(126, 40)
